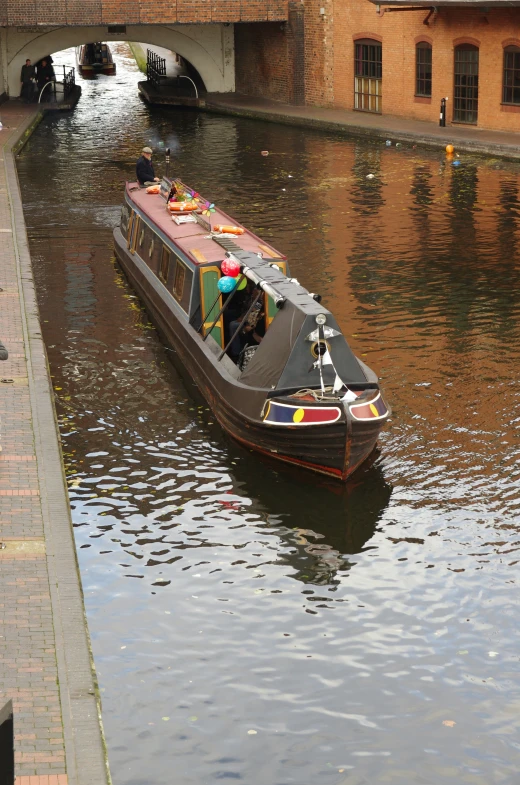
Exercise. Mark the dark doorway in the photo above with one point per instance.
(465, 108)
(6, 745)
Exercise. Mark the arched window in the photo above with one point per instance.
(511, 83)
(465, 98)
(423, 69)
(368, 66)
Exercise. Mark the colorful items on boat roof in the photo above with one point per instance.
(226, 284)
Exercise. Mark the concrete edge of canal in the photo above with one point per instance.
(355, 125)
(86, 758)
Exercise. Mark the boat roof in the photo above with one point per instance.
(194, 240)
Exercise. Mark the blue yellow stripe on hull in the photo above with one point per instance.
(372, 410)
(288, 414)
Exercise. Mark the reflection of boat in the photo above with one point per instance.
(303, 397)
(322, 528)
(95, 59)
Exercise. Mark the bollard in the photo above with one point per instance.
(442, 115)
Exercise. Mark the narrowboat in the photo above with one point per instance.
(266, 354)
(95, 59)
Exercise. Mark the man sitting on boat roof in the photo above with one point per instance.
(144, 168)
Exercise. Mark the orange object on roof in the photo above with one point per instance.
(182, 207)
(228, 229)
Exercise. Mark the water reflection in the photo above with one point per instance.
(251, 623)
(326, 523)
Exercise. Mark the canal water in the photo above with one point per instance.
(250, 623)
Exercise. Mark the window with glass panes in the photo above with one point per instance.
(423, 69)
(511, 85)
(465, 96)
(368, 67)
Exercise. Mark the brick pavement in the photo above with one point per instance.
(465, 138)
(45, 663)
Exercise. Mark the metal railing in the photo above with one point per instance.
(69, 81)
(183, 76)
(52, 86)
(67, 86)
(155, 68)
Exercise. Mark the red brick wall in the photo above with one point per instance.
(262, 61)
(291, 63)
(28, 13)
(399, 32)
(319, 52)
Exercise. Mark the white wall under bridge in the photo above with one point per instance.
(208, 47)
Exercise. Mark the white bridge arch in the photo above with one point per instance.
(208, 47)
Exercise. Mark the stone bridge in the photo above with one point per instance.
(201, 31)
(279, 49)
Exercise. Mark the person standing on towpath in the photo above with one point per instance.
(144, 168)
(44, 75)
(28, 80)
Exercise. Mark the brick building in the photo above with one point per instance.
(398, 57)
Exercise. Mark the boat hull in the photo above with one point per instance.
(90, 70)
(334, 449)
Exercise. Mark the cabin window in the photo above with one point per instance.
(182, 284)
(511, 86)
(150, 250)
(124, 220)
(141, 238)
(133, 232)
(178, 282)
(129, 229)
(165, 265)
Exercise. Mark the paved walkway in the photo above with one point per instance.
(463, 137)
(45, 663)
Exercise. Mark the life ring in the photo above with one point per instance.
(182, 207)
(228, 229)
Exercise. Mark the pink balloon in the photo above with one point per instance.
(230, 267)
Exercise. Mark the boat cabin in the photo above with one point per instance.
(184, 253)
(180, 249)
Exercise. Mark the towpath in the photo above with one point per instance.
(46, 672)
(463, 137)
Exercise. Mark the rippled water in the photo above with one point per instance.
(255, 624)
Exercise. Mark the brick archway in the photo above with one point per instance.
(209, 48)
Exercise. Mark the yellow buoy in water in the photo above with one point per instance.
(449, 149)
